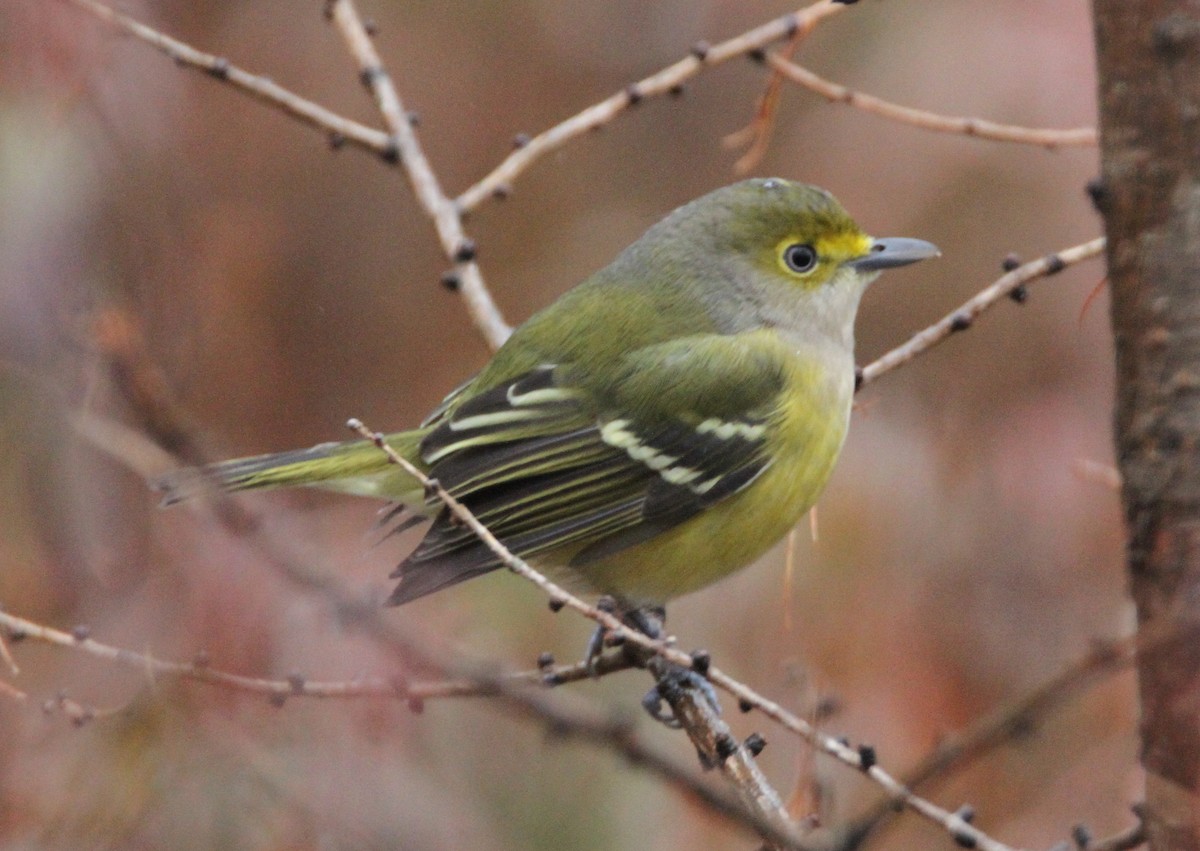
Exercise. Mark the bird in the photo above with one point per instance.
(656, 428)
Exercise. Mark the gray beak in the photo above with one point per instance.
(894, 251)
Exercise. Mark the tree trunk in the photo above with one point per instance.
(1148, 55)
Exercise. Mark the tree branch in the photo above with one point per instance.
(341, 130)
(862, 758)
(1007, 723)
(962, 318)
(296, 685)
(1080, 137)
(662, 82)
(446, 215)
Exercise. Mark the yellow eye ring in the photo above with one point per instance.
(800, 258)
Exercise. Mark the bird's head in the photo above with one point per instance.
(788, 250)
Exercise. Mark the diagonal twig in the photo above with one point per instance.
(398, 144)
(861, 758)
(662, 82)
(962, 318)
(615, 733)
(341, 129)
(1079, 137)
(957, 751)
(446, 215)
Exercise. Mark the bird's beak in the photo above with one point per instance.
(892, 252)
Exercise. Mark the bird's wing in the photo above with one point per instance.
(552, 460)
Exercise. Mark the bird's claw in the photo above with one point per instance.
(595, 649)
(672, 681)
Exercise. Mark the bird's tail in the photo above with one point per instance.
(357, 467)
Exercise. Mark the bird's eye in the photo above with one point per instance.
(800, 258)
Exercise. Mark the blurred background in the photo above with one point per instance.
(278, 287)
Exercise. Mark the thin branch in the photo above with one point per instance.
(340, 129)
(861, 758)
(366, 616)
(400, 144)
(716, 745)
(1007, 723)
(1133, 837)
(710, 735)
(296, 685)
(12, 691)
(465, 678)
(1010, 721)
(669, 79)
(756, 136)
(620, 737)
(446, 215)
(964, 316)
(1079, 137)
(7, 657)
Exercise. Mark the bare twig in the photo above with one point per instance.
(716, 746)
(77, 713)
(1007, 723)
(7, 657)
(296, 685)
(9, 690)
(662, 82)
(1132, 837)
(341, 129)
(1080, 137)
(615, 733)
(399, 144)
(756, 136)
(446, 215)
(964, 316)
(513, 688)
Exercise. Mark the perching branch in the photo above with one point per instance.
(862, 758)
(716, 745)
(616, 733)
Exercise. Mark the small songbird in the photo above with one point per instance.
(656, 428)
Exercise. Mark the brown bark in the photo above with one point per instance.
(1148, 55)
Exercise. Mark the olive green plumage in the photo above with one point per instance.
(655, 428)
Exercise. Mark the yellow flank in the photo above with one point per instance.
(812, 421)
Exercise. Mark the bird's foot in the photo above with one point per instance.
(601, 637)
(675, 684)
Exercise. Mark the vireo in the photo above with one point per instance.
(657, 427)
